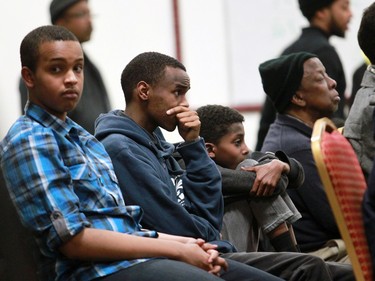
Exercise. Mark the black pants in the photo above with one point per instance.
(170, 270)
(295, 266)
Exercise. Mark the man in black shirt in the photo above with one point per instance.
(326, 18)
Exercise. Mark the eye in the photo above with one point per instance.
(237, 143)
(177, 93)
(55, 69)
(78, 68)
(320, 78)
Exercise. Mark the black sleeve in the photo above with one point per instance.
(296, 174)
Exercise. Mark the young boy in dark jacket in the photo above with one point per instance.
(253, 183)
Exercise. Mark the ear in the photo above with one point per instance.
(211, 149)
(322, 14)
(143, 90)
(28, 77)
(60, 21)
(298, 100)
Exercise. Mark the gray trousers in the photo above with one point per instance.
(243, 219)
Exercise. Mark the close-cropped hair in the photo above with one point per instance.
(366, 33)
(148, 67)
(216, 120)
(29, 49)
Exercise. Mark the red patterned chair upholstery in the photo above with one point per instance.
(345, 184)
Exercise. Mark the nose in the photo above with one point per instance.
(350, 13)
(332, 83)
(245, 149)
(70, 77)
(89, 19)
(183, 101)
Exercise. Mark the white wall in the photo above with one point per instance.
(223, 43)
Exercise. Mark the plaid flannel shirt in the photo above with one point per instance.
(62, 180)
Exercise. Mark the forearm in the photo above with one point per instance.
(178, 238)
(236, 182)
(202, 184)
(103, 245)
(241, 182)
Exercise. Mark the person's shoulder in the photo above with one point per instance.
(114, 126)
(288, 135)
(119, 143)
(24, 127)
(368, 80)
(294, 130)
(326, 53)
(24, 131)
(312, 40)
(365, 97)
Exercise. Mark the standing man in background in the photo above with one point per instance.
(326, 18)
(75, 15)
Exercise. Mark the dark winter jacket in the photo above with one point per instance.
(150, 177)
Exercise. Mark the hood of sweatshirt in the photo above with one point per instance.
(116, 122)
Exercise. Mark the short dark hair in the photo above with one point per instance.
(29, 49)
(215, 121)
(148, 67)
(57, 8)
(366, 33)
(310, 7)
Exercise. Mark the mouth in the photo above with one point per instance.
(71, 94)
(337, 98)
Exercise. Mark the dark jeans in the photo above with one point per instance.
(171, 270)
(295, 266)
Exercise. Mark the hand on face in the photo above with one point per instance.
(188, 122)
